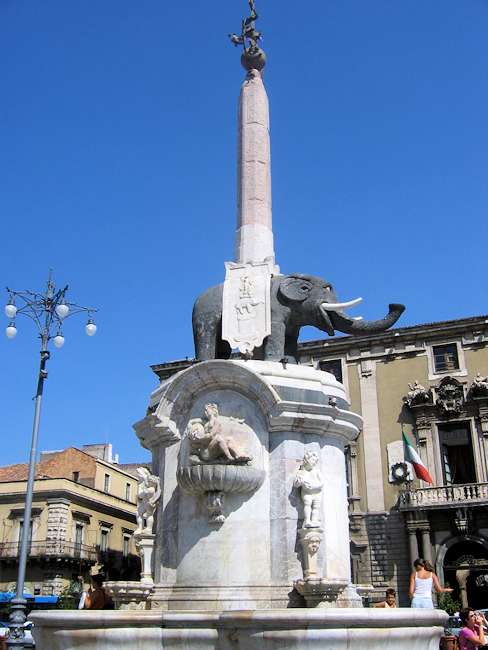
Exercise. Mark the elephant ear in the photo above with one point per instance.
(295, 288)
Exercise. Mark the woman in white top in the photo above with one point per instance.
(421, 582)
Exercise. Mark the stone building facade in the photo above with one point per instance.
(427, 380)
(83, 517)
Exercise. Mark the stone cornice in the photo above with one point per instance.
(472, 330)
(91, 502)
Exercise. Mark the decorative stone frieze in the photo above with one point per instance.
(450, 396)
(246, 312)
(462, 520)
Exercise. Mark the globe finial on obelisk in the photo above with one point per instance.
(253, 57)
(254, 236)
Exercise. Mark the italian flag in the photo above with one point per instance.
(412, 457)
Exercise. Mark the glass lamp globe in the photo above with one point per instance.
(11, 331)
(58, 340)
(10, 310)
(90, 328)
(62, 310)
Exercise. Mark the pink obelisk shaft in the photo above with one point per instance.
(254, 236)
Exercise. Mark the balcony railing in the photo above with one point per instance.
(51, 549)
(445, 496)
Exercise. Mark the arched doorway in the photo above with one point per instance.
(465, 567)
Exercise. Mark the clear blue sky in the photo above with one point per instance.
(117, 155)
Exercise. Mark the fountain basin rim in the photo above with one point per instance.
(316, 618)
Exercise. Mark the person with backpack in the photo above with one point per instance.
(96, 598)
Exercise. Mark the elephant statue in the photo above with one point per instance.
(296, 300)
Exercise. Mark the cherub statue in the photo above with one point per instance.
(479, 386)
(208, 440)
(417, 394)
(309, 479)
(416, 389)
(148, 493)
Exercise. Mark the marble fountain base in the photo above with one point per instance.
(293, 629)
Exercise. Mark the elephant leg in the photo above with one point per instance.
(205, 338)
(207, 325)
(291, 348)
(222, 348)
(274, 344)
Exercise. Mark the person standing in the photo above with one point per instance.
(472, 634)
(422, 580)
(96, 597)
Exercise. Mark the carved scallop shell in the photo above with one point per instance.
(199, 479)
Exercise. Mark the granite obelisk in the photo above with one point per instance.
(254, 236)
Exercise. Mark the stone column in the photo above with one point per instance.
(483, 425)
(145, 546)
(412, 538)
(254, 236)
(371, 436)
(426, 546)
(462, 579)
(355, 514)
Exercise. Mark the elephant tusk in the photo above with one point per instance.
(358, 318)
(337, 306)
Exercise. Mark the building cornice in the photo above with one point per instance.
(44, 492)
(408, 341)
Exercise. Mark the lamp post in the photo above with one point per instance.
(48, 310)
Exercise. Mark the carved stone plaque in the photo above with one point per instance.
(246, 316)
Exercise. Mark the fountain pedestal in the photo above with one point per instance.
(228, 531)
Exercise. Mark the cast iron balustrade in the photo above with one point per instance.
(50, 549)
(444, 496)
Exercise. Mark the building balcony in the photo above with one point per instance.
(446, 496)
(47, 549)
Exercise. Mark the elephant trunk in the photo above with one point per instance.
(349, 325)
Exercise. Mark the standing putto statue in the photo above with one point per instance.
(148, 493)
(309, 480)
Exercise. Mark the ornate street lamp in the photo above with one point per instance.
(48, 310)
